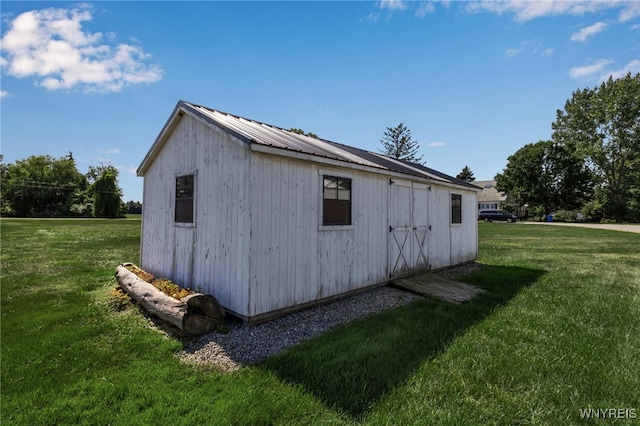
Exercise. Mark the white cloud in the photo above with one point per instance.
(371, 17)
(524, 10)
(601, 71)
(510, 53)
(4, 94)
(436, 144)
(393, 4)
(632, 67)
(632, 11)
(531, 47)
(587, 32)
(424, 9)
(51, 46)
(589, 70)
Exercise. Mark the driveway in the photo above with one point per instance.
(610, 227)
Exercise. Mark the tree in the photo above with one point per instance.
(134, 207)
(545, 174)
(602, 125)
(301, 132)
(466, 174)
(107, 195)
(40, 185)
(397, 143)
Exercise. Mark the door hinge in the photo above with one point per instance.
(390, 181)
(390, 228)
(429, 227)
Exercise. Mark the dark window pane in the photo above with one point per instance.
(456, 208)
(184, 210)
(336, 209)
(184, 199)
(336, 212)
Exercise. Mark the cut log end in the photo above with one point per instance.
(195, 314)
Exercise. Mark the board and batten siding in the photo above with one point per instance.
(211, 253)
(293, 258)
(464, 236)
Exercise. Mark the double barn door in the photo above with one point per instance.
(408, 228)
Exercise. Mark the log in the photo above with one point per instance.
(195, 314)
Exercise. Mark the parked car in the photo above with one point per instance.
(491, 215)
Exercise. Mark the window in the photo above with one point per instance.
(184, 199)
(486, 206)
(456, 208)
(336, 201)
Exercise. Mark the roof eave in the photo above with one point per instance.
(168, 127)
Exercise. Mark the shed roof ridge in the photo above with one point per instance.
(263, 133)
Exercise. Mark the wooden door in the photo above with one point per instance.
(408, 228)
(400, 229)
(421, 227)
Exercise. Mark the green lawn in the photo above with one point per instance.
(557, 331)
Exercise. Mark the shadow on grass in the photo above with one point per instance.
(352, 367)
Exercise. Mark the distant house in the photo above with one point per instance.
(490, 198)
(270, 221)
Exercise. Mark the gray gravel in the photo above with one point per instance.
(244, 345)
(252, 344)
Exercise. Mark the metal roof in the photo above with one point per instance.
(255, 132)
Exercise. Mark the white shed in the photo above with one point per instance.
(269, 221)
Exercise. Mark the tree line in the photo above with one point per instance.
(592, 161)
(43, 186)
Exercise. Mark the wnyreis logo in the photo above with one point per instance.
(608, 413)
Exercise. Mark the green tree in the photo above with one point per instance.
(603, 126)
(301, 132)
(134, 207)
(545, 174)
(40, 185)
(106, 194)
(466, 174)
(397, 143)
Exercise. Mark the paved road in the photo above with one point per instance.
(610, 227)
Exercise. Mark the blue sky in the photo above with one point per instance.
(474, 81)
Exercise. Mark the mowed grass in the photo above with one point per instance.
(556, 331)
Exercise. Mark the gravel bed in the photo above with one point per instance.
(252, 344)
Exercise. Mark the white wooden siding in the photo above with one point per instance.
(464, 236)
(440, 237)
(258, 243)
(212, 254)
(293, 259)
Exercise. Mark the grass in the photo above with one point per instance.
(556, 332)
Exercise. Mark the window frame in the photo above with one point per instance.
(185, 223)
(455, 219)
(338, 176)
